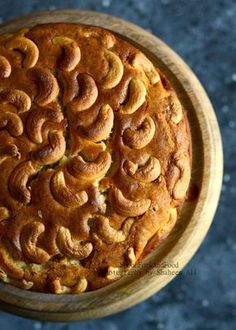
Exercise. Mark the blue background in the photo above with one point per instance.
(204, 34)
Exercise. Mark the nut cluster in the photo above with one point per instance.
(94, 157)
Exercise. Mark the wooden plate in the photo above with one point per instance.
(196, 215)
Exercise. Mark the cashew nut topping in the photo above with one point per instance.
(51, 152)
(181, 186)
(141, 61)
(176, 109)
(101, 128)
(71, 53)
(79, 287)
(12, 123)
(145, 173)
(115, 71)
(37, 118)
(64, 195)
(17, 183)
(9, 150)
(47, 86)
(17, 98)
(27, 47)
(4, 213)
(5, 67)
(29, 237)
(72, 248)
(136, 96)
(140, 137)
(128, 207)
(167, 227)
(107, 40)
(90, 170)
(108, 233)
(88, 93)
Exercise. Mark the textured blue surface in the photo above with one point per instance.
(203, 32)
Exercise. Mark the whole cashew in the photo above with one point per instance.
(136, 96)
(79, 287)
(29, 237)
(109, 234)
(5, 67)
(17, 183)
(115, 71)
(141, 61)
(64, 195)
(90, 170)
(128, 207)
(181, 186)
(101, 128)
(36, 120)
(17, 98)
(142, 136)
(146, 173)
(71, 53)
(88, 93)
(176, 109)
(47, 86)
(26, 46)
(71, 248)
(12, 123)
(53, 151)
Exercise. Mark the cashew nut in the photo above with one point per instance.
(53, 151)
(146, 173)
(17, 183)
(109, 234)
(27, 47)
(79, 287)
(88, 93)
(47, 86)
(140, 137)
(167, 227)
(101, 128)
(181, 186)
(5, 67)
(4, 213)
(107, 40)
(64, 195)
(90, 170)
(71, 248)
(136, 96)
(115, 71)
(17, 98)
(71, 53)
(36, 120)
(29, 237)
(128, 207)
(141, 61)
(12, 123)
(176, 109)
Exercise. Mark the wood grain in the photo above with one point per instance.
(197, 213)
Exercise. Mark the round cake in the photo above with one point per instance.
(95, 158)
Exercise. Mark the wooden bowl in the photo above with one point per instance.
(197, 213)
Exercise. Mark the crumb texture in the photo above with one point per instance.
(94, 158)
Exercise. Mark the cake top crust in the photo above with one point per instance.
(95, 157)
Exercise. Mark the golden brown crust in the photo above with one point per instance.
(94, 158)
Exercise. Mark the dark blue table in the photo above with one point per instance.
(203, 32)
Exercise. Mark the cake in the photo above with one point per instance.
(95, 158)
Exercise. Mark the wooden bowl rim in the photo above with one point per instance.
(134, 288)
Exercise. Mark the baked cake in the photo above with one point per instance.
(95, 158)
